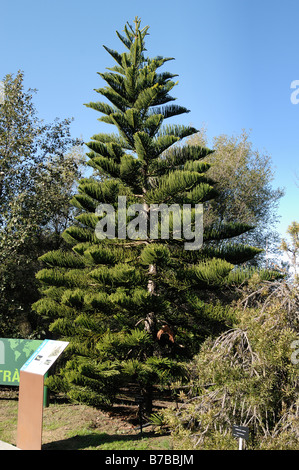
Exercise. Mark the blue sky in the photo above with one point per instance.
(236, 60)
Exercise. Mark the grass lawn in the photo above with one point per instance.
(79, 427)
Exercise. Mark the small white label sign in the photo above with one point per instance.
(44, 357)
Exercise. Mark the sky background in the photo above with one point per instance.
(236, 60)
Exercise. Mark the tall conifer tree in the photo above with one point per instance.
(131, 306)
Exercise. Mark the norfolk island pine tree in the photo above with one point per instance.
(132, 309)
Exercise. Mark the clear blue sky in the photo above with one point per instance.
(236, 60)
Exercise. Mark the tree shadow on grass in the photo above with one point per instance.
(94, 440)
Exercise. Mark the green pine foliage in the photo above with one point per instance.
(132, 308)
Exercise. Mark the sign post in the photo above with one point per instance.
(31, 393)
(242, 432)
(30, 412)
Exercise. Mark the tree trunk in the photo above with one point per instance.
(150, 320)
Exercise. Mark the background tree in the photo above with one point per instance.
(244, 178)
(39, 164)
(136, 308)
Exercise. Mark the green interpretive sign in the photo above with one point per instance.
(13, 355)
